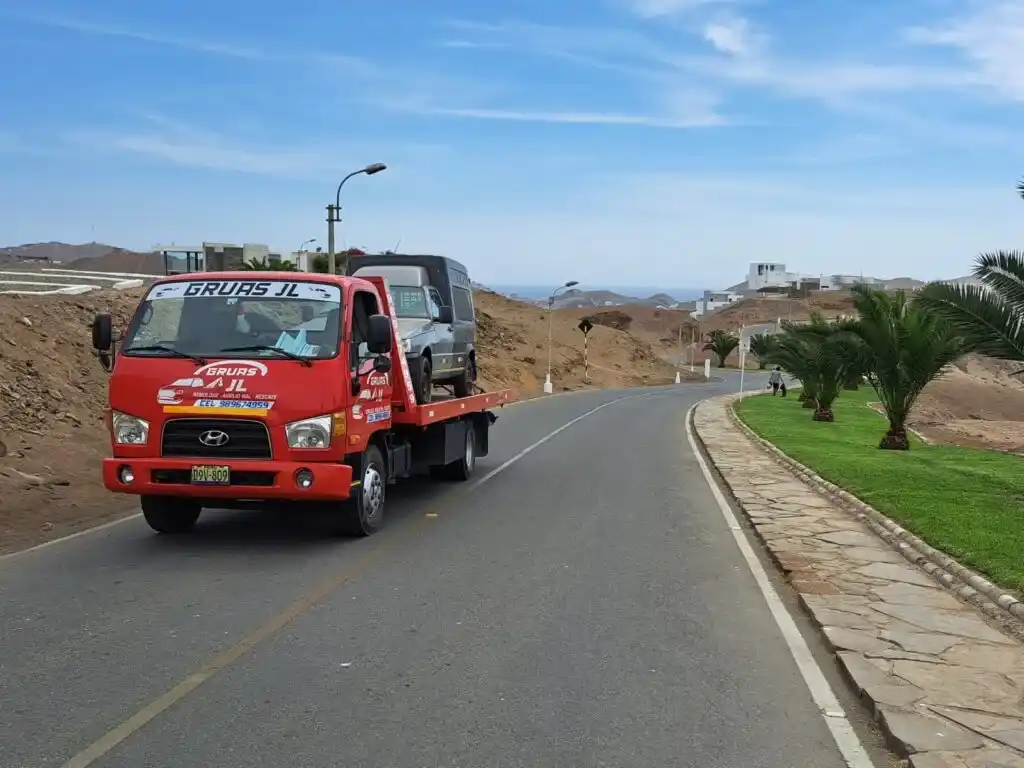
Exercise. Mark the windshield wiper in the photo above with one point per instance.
(270, 348)
(169, 350)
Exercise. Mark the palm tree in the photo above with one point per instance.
(988, 317)
(903, 346)
(790, 353)
(722, 344)
(269, 265)
(760, 347)
(821, 327)
(819, 361)
(828, 360)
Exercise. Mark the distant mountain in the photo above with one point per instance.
(614, 296)
(94, 257)
(56, 252)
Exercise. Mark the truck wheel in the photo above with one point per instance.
(166, 514)
(424, 382)
(462, 468)
(363, 514)
(463, 385)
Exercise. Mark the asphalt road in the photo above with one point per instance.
(586, 606)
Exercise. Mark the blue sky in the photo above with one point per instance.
(610, 141)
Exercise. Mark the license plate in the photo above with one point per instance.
(210, 475)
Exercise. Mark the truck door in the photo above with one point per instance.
(371, 405)
(465, 323)
(444, 337)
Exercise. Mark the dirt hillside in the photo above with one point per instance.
(767, 310)
(53, 392)
(977, 403)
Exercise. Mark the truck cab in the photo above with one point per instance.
(437, 320)
(239, 388)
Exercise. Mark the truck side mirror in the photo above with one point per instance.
(378, 337)
(102, 333)
(445, 316)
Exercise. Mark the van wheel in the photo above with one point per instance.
(424, 382)
(166, 514)
(363, 513)
(462, 468)
(463, 386)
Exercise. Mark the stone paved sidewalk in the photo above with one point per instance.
(946, 687)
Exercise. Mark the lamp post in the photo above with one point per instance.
(334, 211)
(302, 250)
(548, 386)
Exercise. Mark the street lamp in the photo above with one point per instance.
(548, 387)
(302, 250)
(334, 211)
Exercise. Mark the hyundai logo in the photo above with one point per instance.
(214, 438)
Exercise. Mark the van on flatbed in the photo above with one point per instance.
(436, 317)
(240, 389)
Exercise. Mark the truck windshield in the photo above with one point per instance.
(410, 301)
(210, 317)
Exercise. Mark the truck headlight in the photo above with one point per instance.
(407, 346)
(309, 433)
(129, 430)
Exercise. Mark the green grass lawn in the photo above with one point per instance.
(968, 503)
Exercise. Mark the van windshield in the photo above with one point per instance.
(410, 302)
(206, 317)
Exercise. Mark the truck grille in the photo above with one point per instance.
(246, 439)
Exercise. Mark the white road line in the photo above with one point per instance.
(70, 536)
(534, 446)
(832, 711)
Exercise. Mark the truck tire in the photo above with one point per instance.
(363, 514)
(462, 468)
(424, 381)
(463, 385)
(167, 514)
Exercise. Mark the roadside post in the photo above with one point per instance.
(707, 368)
(586, 326)
(744, 348)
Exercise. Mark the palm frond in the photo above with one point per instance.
(984, 321)
(1003, 272)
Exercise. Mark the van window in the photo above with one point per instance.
(463, 308)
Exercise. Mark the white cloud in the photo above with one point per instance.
(653, 9)
(733, 36)
(179, 143)
(701, 120)
(112, 30)
(991, 38)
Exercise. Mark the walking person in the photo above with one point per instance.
(775, 381)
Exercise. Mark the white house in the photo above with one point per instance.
(766, 274)
(713, 300)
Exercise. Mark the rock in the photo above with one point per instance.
(919, 733)
(25, 321)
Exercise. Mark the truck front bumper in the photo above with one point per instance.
(256, 480)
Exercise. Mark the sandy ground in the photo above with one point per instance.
(977, 403)
(53, 394)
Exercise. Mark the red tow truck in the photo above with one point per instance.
(240, 389)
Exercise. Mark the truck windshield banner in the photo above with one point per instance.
(248, 289)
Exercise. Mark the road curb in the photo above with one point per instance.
(968, 585)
